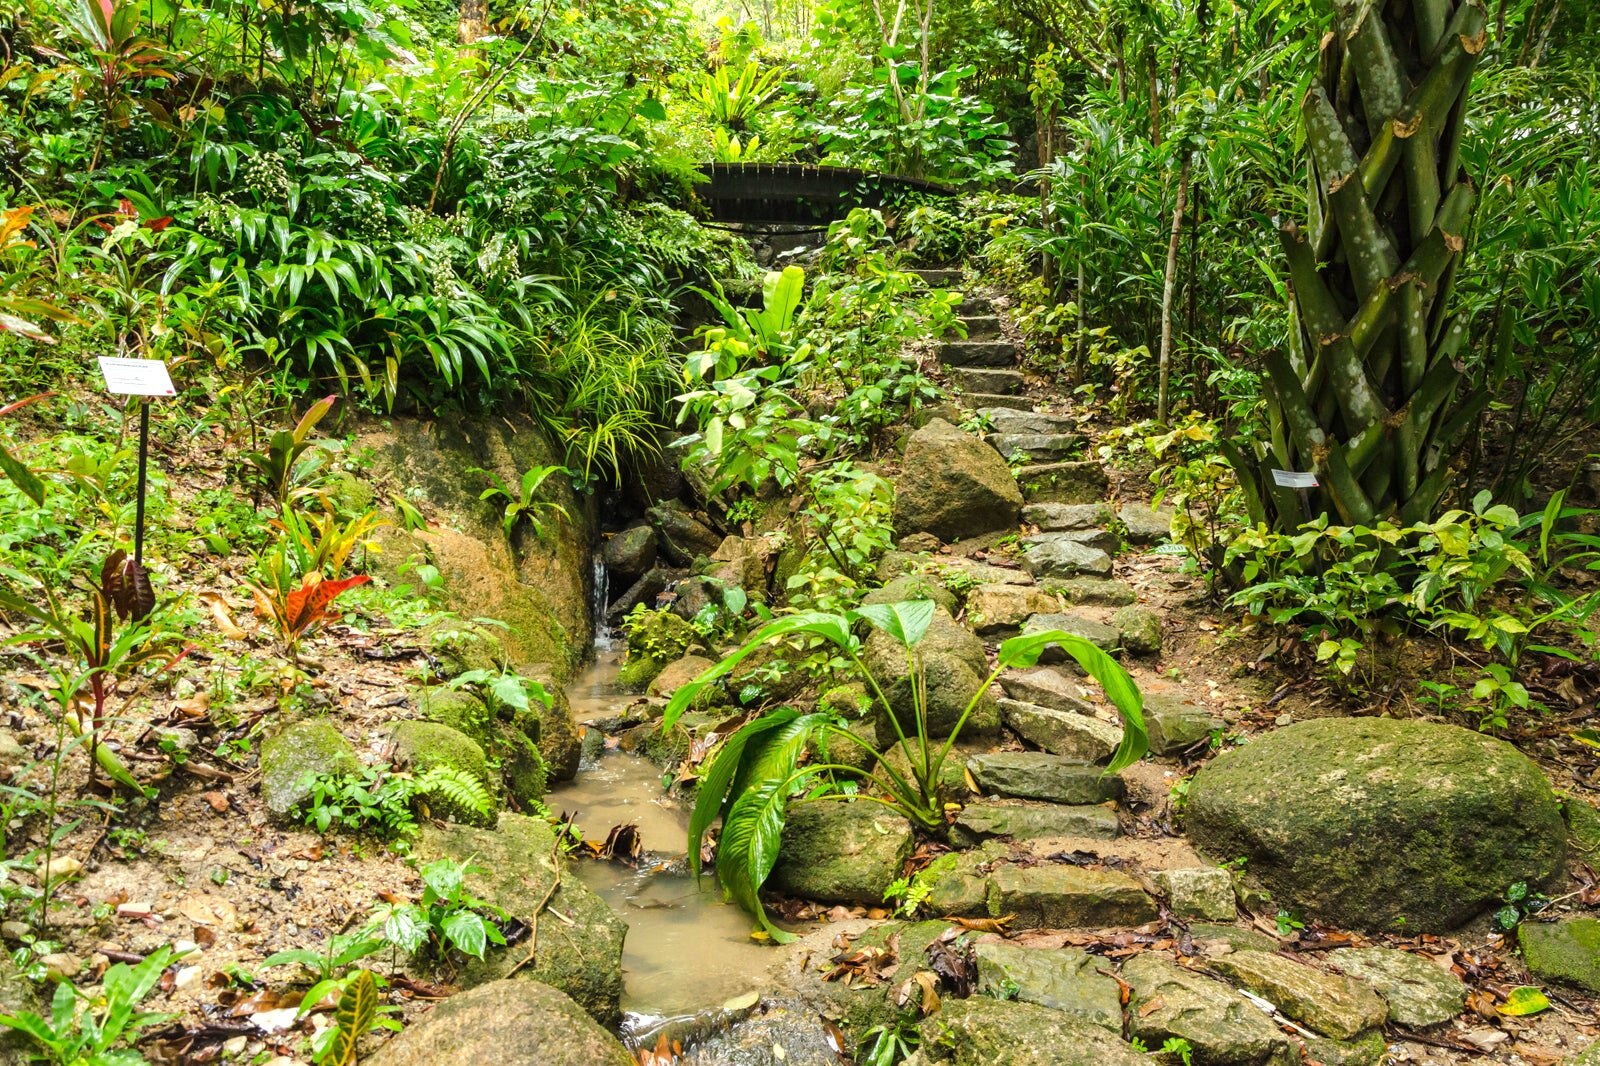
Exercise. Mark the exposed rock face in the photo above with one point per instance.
(1219, 1024)
(297, 753)
(841, 852)
(954, 666)
(1566, 951)
(1419, 993)
(515, 867)
(1333, 1005)
(980, 1031)
(1370, 823)
(953, 485)
(513, 1022)
(683, 535)
(1046, 686)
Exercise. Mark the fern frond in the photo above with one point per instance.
(456, 787)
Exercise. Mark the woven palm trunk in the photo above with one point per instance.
(1367, 396)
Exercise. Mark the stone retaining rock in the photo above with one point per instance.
(1059, 517)
(1042, 776)
(1146, 525)
(1174, 724)
(514, 869)
(1068, 980)
(1061, 556)
(995, 609)
(1220, 1025)
(1419, 993)
(1103, 539)
(980, 1031)
(953, 485)
(1091, 591)
(1023, 820)
(513, 1022)
(1371, 823)
(296, 754)
(1066, 733)
(1006, 420)
(841, 852)
(1077, 482)
(1566, 951)
(1068, 897)
(1334, 1005)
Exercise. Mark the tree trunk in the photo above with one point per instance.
(1169, 289)
(1366, 397)
(474, 21)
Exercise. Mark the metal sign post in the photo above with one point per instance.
(143, 378)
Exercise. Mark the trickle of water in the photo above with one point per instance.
(600, 603)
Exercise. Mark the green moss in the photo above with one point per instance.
(1567, 951)
(295, 755)
(425, 745)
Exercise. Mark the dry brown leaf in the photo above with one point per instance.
(222, 614)
(1147, 1009)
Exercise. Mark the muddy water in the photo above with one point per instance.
(686, 950)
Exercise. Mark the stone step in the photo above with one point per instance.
(990, 402)
(971, 380)
(1041, 776)
(991, 353)
(1075, 482)
(1027, 820)
(940, 277)
(975, 304)
(1076, 736)
(981, 327)
(1037, 447)
(1064, 556)
(1004, 420)
(1103, 539)
(1061, 517)
(1068, 897)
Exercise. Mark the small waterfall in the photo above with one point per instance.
(600, 603)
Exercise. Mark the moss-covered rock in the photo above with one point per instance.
(457, 647)
(295, 755)
(510, 739)
(841, 852)
(515, 866)
(655, 639)
(1566, 951)
(518, 1021)
(980, 1031)
(426, 745)
(912, 587)
(1371, 823)
(953, 485)
(953, 665)
(1140, 628)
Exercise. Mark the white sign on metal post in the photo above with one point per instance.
(1293, 479)
(136, 377)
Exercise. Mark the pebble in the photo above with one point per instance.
(1283, 720)
(135, 910)
(14, 930)
(61, 966)
(61, 868)
(186, 977)
(235, 1045)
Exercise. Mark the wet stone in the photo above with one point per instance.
(1024, 820)
(1067, 980)
(1332, 1004)
(1068, 897)
(1419, 992)
(1042, 776)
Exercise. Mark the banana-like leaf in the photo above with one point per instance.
(907, 621)
(1119, 687)
(830, 627)
(719, 774)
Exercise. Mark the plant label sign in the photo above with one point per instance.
(136, 377)
(1293, 479)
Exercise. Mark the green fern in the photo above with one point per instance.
(455, 788)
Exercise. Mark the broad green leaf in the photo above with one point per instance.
(509, 690)
(714, 783)
(831, 627)
(21, 476)
(1523, 1001)
(907, 621)
(1114, 680)
(466, 931)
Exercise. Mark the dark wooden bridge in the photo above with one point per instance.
(799, 194)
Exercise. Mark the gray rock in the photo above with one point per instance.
(295, 755)
(1372, 823)
(628, 554)
(678, 673)
(980, 1031)
(1061, 556)
(694, 594)
(841, 852)
(1022, 820)
(1218, 1023)
(1076, 736)
(1099, 634)
(1047, 687)
(958, 882)
(1567, 951)
(1075, 482)
(953, 485)
(1332, 1004)
(1038, 447)
(1203, 892)
(1146, 525)
(683, 536)
(1003, 608)
(644, 591)
(1005, 420)
(912, 587)
(518, 1021)
(1419, 993)
(1039, 775)
(954, 667)
(743, 562)
(1175, 724)
(1103, 539)
(1062, 517)
(1068, 897)
(1091, 591)
(1140, 628)
(514, 868)
(1068, 980)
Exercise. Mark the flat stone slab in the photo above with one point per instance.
(1068, 733)
(1567, 951)
(1011, 421)
(984, 1031)
(1042, 776)
(984, 353)
(985, 573)
(1047, 687)
(971, 379)
(1000, 607)
(1064, 556)
(1175, 724)
(1419, 993)
(1091, 591)
(1068, 980)
(1203, 892)
(981, 327)
(1332, 1004)
(1037, 447)
(1068, 897)
(1060, 517)
(1146, 525)
(997, 401)
(1024, 820)
(1102, 636)
(1084, 481)
(1219, 1024)
(1103, 539)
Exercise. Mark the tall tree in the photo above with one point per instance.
(1368, 396)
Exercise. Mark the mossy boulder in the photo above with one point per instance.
(655, 639)
(457, 647)
(980, 1031)
(1566, 951)
(912, 587)
(515, 865)
(954, 667)
(510, 739)
(426, 745)
(953, 485)
(1376, 824)
(841, 852)
(295, 755)
(679, 673)
(518, 1021)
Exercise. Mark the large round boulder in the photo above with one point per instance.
(953, 668)
(953, 485)
(517, 1023)
(1378, 824)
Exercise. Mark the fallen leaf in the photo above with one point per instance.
(1523, 1001)
(222, 614)
(1147, 1009)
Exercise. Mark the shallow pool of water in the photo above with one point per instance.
(686, 949)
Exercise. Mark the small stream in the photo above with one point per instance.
(686, 950)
